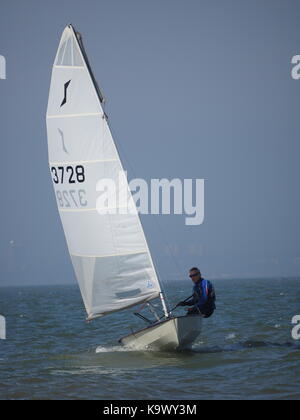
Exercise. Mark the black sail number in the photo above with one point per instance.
(70, 173)
(80, 173)
(70, 170)
(54, 173)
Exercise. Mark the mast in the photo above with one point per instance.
(164, 305)
(78, 37)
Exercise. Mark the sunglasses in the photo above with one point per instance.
(194, 275)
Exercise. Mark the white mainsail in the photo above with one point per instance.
(109, 252)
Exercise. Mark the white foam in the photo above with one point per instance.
(87, 370)
(230, 336)
(112, 349)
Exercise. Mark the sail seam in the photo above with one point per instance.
(68, 67)
(83, 161)
(109, 255)
(87, 114)
(74, 210)
(99, 209)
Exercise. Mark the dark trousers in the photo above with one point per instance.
(196, 311)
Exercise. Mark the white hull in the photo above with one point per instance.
(172, 334)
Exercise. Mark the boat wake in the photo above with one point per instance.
(113, 349)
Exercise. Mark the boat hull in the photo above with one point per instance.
(173, 334)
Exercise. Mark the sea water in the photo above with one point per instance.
(246, 349)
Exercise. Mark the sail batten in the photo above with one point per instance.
(86, 114)
(109, 255)
(109, 251)
(67, 162)
(67, 67)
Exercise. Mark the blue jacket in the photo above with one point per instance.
(203, 297)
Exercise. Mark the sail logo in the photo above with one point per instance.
(2, 67)
(2, 328)
(296, 69)
(66, 85)
(62, 138)
(296, 329)
(149, 284)
(176, 196)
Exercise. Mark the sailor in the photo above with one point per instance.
(203, 298)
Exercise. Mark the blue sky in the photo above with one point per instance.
(195, 89)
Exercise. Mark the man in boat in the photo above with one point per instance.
(203, 299)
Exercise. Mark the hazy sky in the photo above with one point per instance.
(195, 89)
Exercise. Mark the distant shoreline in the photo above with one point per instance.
(74, 283)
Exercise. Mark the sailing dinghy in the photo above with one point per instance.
(109, 251)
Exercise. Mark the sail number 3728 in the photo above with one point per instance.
(69, 174)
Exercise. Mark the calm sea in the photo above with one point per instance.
(246, 350)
